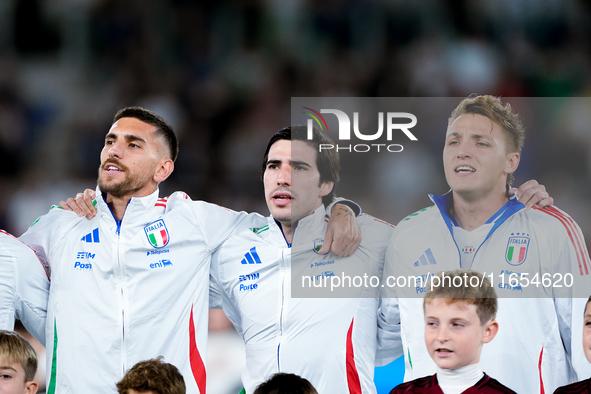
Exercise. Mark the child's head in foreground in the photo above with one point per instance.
(459, 319)
(18, 364)
(286, 383)
(587, 330)
(152, 377)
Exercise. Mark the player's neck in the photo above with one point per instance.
(473, 213)
(288, 226)
(118, 205)
(287, 229)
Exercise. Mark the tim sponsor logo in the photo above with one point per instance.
(243, 278)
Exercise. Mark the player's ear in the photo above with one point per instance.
(163, 170)
(326, 188)
(491, 328)
(513, 159)
(30, 387)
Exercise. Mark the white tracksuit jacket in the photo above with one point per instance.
(130, 291)
(24, 287)
(329, 341)
(538, 346)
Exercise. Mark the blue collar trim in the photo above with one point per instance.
(445, 202)
(281, 228)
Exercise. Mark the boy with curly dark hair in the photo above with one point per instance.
(153, 376)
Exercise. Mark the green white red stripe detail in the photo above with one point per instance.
(52, 376)
(575, 235)
(159, 239)
(197, 365)
(540, 369)
(352, 374)
(511, 250)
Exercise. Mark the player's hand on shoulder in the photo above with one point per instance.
(532, 193)
(343, 235)
(82, 204)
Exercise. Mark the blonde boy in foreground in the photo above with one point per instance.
(458, 321)
(18, 364)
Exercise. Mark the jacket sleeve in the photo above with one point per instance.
(28, 291)
(32, 291)
(571, 257)
(389, 341)
(340, 200)
(215, 288)
(218, 297)
(7, 286)
(39, 235)
(218, 223)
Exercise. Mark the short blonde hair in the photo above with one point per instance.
(503, 115)
(483, 295)
(17, 350)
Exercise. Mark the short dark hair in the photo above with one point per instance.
(151, 118)
(327, 160)
(286, 383)
(153, 375)
(503, 115)
(585, 310)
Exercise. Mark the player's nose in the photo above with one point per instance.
(463, 155)
(284, 175)
(115, 150)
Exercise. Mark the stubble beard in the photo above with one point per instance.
(129, 185)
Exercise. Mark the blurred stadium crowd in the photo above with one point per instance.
(223, 73)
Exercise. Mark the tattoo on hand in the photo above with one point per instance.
(344, 211)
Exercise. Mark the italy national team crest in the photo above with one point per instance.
(157, 233)
(517, 246)
(318, 244)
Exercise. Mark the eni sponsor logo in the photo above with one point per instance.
(323, 275)
(161, 264)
